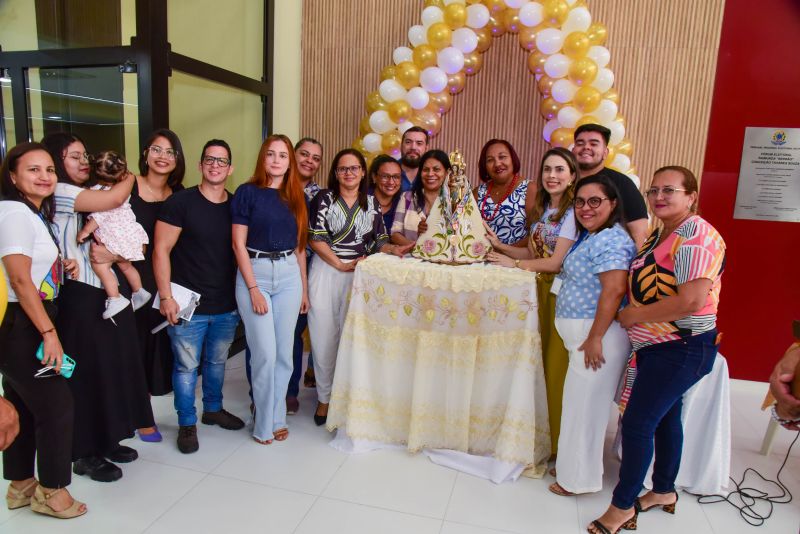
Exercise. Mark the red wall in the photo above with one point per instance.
(757, 84)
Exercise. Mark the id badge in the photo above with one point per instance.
(556, 287)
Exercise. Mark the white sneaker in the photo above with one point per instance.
(114, 306)
(140, 298)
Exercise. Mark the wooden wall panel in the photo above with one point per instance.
(663, 55)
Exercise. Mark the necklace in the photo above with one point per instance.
(156, 198)
(508, 192)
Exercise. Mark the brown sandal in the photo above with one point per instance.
(556, 488)
(262, 441)
(669, 508)
(281, 434)
(552, 472)
(40, 505)
(600, 528)
(19, 498)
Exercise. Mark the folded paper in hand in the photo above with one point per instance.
(187, 300)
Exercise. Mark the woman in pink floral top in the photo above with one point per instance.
(673, 288)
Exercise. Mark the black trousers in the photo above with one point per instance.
(44, 405)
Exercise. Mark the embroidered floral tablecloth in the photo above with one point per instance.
(443, 357)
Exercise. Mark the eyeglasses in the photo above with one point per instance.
(389, 177)
(210, 160)
(593, 202)
(156, 151)
(344, 170)
(667, 191)
(78, 156)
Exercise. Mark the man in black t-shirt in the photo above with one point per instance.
(193, 249)
(591, 150)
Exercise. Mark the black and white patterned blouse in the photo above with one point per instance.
(350, 232)
(508, 220)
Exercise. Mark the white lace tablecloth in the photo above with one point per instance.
(443, 357)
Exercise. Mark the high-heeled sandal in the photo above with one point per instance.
(669, 508)
(40, 506)
(630, 524)
(281, 434)
(19, 498)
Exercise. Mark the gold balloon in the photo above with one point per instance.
(456, 82)
(620, 119)
(582, 71)
(391, 141)
(389, 72)
(587, 99)
(375, 102)
(440, 102)
(576, 44)
(400, 111)
(455, 16)
(510, 20)
(358, 144)
(439, 35)
(424, 56)
(494, 6)
(545, 85)
(612, 153)
(427, 119)
(587, 119)
(484, 39)
(473, 62)
(363, 126)
(597, 33)
(562, 137)
(470, 2)
(527, 38)
(625, 147)
(633, 170)
(407, 73)
(612, 95)
(536, 61)
(496, 27)
(435, 3)
(554, 12)
(549, 108)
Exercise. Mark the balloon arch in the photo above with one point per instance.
(567, 58)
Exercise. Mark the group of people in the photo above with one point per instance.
(605, 287)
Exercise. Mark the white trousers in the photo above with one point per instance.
(586, 404)
(328, 292)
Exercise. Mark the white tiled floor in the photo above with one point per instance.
(303, 486)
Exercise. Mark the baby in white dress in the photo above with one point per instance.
(118, 230)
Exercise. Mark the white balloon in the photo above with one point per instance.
(433, 79)
(372, 141)
(549, 128)
(621, 162)
(568, 116)
(557, 65)
(417, 98)
(570, 2)
(403, 126)
(635, 179)
(563, 90)
(617, 132)
(417, 35)
(578, 20)
(431, 15)
(465, 40)
(391, 90)
(380, 122)
(450, 59)
(606, 111)
(604, 80)
(530, 14)
(549, 40)
(515, 4)
(402, 53)
(477, 16)
(600, 55)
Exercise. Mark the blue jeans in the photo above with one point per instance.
(270, 337)
(297, 356)
(652, 419)
(208, 337)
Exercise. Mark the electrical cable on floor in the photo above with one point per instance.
(749, 497)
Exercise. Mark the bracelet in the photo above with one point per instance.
(516, 263)
(252, 287)
(778, 419)
(167, 298)
(51, 329)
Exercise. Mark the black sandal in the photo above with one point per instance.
(669, 508)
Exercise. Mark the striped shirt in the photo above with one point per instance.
(66, 224)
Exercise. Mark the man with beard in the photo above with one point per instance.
(591, 150)
(413, 146)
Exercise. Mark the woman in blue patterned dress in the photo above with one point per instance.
(502, 196)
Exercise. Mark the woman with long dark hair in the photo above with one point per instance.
(32, 264)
